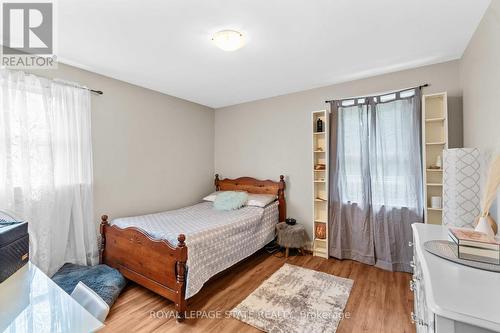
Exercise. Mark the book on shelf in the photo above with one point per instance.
(476, 246)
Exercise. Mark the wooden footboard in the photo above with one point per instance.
(154, 264)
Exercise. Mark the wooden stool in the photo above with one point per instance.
(291, 236)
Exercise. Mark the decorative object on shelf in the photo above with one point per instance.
(436, 202)
(319, 166)
(319, 149)
(448, 250)
(490, 191)
(320, 230)
(434, 167)
(291, 236)
(319, 125)
(438, 162)
(290, 221)
(461, 186)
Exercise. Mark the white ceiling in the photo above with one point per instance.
(292, 45)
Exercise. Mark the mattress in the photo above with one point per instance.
(216, 240)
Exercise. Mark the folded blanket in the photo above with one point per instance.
(7, 220)
(7, 223)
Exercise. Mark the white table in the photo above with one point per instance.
(31, 302)
(450, 297)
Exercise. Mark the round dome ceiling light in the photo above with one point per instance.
(229, 40)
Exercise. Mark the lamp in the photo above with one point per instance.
(228, 40)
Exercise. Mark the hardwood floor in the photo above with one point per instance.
(380, 301)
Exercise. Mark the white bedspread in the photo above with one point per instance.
(216, 240)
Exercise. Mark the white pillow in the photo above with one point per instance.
(260, 200)
(211, 197)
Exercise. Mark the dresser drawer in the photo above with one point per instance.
(421, 316)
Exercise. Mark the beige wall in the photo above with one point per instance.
(270, 137)
(480, 78)
(152, 151)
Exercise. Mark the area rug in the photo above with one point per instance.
(296, 299)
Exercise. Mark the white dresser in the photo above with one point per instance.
(450, 297)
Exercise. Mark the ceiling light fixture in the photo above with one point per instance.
(228, 40)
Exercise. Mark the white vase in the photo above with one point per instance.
(436, 202)
(484, 227)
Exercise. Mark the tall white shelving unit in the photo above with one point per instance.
(320, 184)
(434, 141)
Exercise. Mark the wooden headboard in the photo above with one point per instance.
(252, 185)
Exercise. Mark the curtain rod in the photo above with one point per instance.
(98, 92)
(389, 92)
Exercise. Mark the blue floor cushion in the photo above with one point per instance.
(107, 282)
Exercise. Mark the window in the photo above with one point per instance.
(379, 152)
(30, 126)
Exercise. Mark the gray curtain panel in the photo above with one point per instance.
(376, 189)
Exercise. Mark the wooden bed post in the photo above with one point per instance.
(104, 223)
(216, 182)
(180, 267)
(281, 199)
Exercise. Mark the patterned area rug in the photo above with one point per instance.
(296, 299)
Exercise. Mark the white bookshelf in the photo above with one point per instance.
(320, 183)
(434, 140)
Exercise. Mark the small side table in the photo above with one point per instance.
(291, 236)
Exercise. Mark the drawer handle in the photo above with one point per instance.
(415, 320)
(412, 264)
(410, 244)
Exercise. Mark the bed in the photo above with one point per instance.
(152, 250)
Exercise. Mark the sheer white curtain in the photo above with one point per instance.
(376, 189)
(46, 167)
